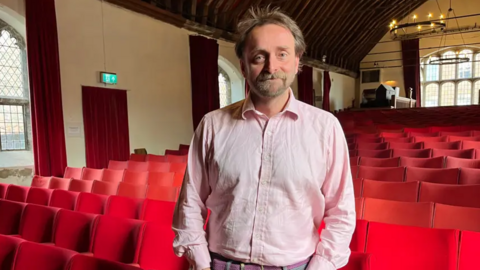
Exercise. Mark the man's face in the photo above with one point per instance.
(269, 62)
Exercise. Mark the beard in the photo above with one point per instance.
(266, 86)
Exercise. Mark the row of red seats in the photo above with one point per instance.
(457, 195)
(453, 145)
(118, 206)
(18, 254)
(143, 243)
(137, 166)
(421, 214)
(418, 153)
(401, 133)
(414, 139)
(398, 247)
(435, 162)
(462, 176)
(178, 156)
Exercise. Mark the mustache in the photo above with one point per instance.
(268, 76)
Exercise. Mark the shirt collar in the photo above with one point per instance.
(291, 107)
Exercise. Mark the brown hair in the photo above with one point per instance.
(263, 16)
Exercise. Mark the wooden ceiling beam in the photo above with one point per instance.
(336, 26)
(203, 10)
(297, 16)
(320, 28)
(213, 12)
(311, 25)
(225, 14)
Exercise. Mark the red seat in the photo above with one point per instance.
(158, 211)
(73, 230)
(401, 213)
(63, 199)
(397, 247)
(399, 140)
(117, 165)
(136, 177)
(59, 183)
(41, 257)
(423, 134)
(3, 190)
(83, 262)
(156, 249)
(163, 193)
(158, 166)
(91, 203)
(468, 153)
(416, 129)
(371, 146)
(137, 166)
(455, 133)
(442, 176)
(469, 176)
(92, 174)
(40, 181)
(80, 185)
(456, 217)
(369, 140)
(462, 138)
(138, 157)
(113, 175)
(71, 172)
(105, 188)
(359, 207)
(436, 162)
(354, 171)
(178, 159)
(394, 191)
(354, 161)
(383, 174)
(359, 237)
(459, 195)
(117, 239)
(119, 206)
(131, 190)
(471, 145)
(374, 153)
(379, 162)
(358, 261)
(39, 196)
(442, 145)
(179, 170)
(393, 135)
(418, 153)
(37, 223)
(17, 193)
(8, 248)
(156, 158)
(468, 258)
(10, 213)
(430, 139)
(402, 145)
(453, 162)
(357, 187)
(176, 152)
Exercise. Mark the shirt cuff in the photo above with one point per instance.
(200, 256)
(320, 263)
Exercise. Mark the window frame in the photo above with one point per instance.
(456, 80)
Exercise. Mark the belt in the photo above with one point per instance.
(221, 263)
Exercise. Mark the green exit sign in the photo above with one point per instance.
(108, 78)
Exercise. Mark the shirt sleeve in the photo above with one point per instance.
(190, 212)
(333, 249)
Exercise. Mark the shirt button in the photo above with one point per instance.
(264, 182)
(260, 210)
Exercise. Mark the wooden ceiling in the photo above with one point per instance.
(342, 30)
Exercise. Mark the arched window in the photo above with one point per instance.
(431, 95)
(477, 66)
(464, 93)
(14, 97)
(448, 94)
(465, 69)
(433, 71)
(476, 88)
(225, 87)
(448, 71)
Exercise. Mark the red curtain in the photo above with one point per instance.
(327, 84)
(411, 68)
(204, 75)
(305, 86)
(105, 120)
(48, 132)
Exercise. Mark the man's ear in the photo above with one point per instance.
(243, 68)
(297, 64)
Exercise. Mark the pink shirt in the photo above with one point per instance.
(269, 183)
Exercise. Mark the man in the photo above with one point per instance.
(270, 169)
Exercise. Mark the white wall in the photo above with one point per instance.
(389, 71)
(342, 90)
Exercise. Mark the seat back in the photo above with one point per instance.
(137, 166)
(436, 162)
(401, 213)
(443, 176)
(117, 165)
(453, 162)
(466, 153)
(398, 247)
(177, 158)
(471, 145)
(442, 145)
(92, 174)
(112, 175)
(37, 223)
(125, 207)
(156, 158)
(91, 203)
(83, 262)
(63, 199)
(59, 183)
(379, 162)
(39, 196)
(158, 211)
(73, 230)
(357, 187)
(80, 185)
(382, 174)
(468, 258)
(163, 193)
(117, 239)
(418, 153)
(40, 181)
(158, 166)
(374, 153)
(41, 257)
(469, 176)
(456, 217)
(11, 213)
(9, 247)
(394, 191)
(402, 145)
(359, 237)
(161, 178)
(132, 191)
(105, 188)
(459, 195)
(17, 193)
(135, 177)
(71, 172)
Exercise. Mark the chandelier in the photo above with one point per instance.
(415, 28)
(449, 60)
